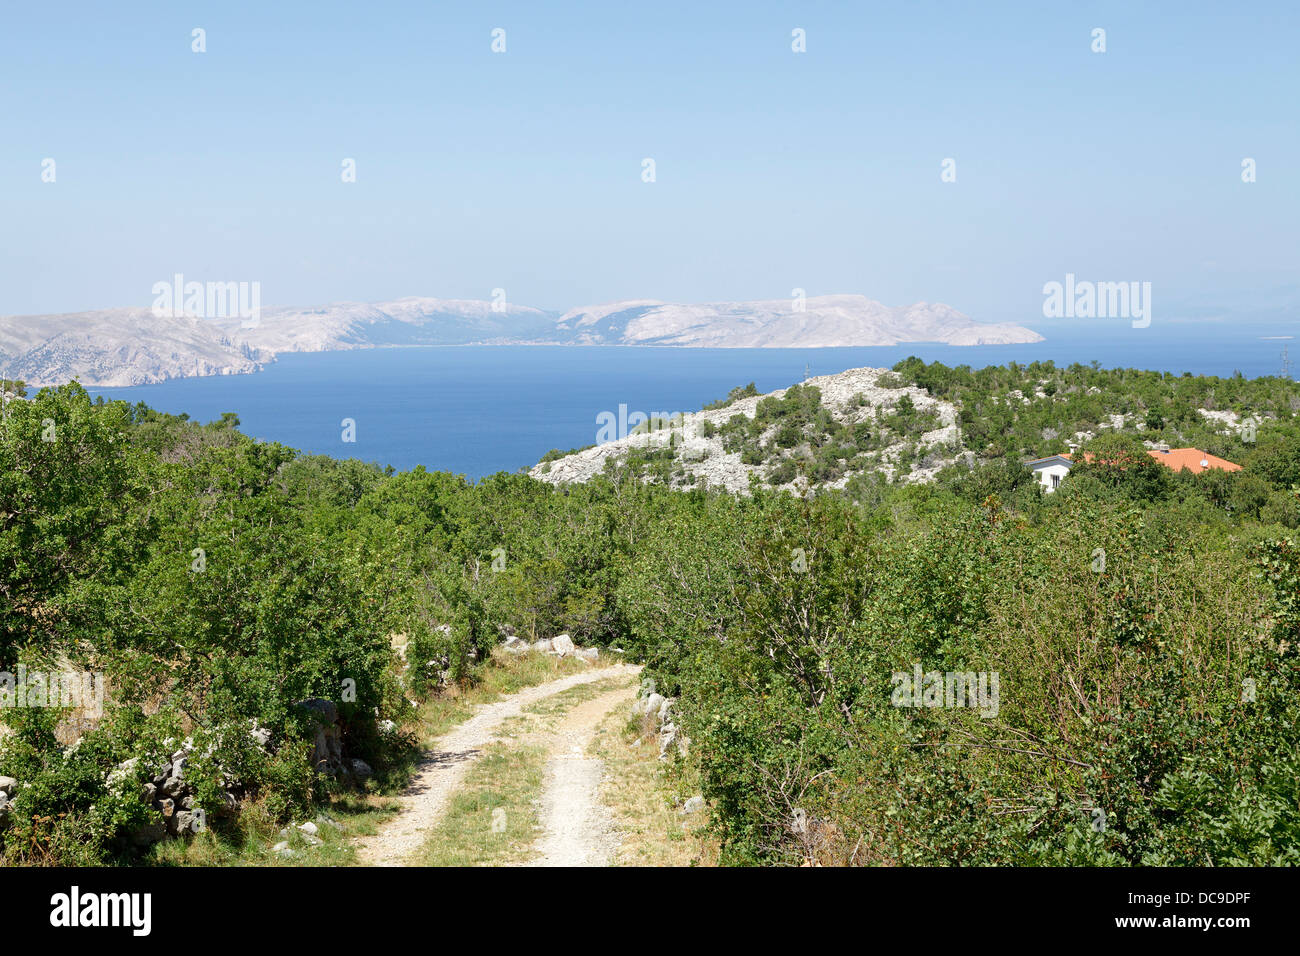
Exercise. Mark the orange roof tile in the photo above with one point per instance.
(1175, 459)
(1191, 458)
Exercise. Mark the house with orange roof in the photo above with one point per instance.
(1050, 470)
(1193, 459)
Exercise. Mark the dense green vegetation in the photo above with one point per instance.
(1011, 413)
(1143, 625)
(1027, 411)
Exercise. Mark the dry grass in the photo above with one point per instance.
(637, 790)
(565, 699)
(502, 787)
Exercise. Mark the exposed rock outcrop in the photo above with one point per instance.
(854, 397)
(654, 710)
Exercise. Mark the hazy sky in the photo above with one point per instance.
(775, 169)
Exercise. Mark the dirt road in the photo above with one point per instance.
(575, 829)
(578, 830)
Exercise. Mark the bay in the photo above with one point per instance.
(476, 410)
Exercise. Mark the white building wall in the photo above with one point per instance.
(1049, 476)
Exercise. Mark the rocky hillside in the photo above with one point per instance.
(821, 432)
(826, 321)
(114, 347)
(118, 347)
(409, 321)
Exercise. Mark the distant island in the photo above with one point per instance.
(141, 346)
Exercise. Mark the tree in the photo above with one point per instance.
(1121, 463)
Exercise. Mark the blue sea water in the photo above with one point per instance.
(476, 410)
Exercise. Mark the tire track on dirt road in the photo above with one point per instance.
(443, 767)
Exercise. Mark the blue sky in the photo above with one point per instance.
(775, 170)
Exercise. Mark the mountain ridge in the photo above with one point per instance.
(137, 346)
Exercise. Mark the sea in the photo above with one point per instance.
(478, 410)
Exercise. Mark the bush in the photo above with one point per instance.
(782, 473)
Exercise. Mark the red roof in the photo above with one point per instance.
(1193, 459)
(1176, 459)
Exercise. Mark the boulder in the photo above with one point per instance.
(562, 645)
(667, 737)
(308, 828)
(148, 834)
(327, 749)
(671, 738)
(694, 805)
(8, 785)
(361, 770)
(541, 645)
(588, 654)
